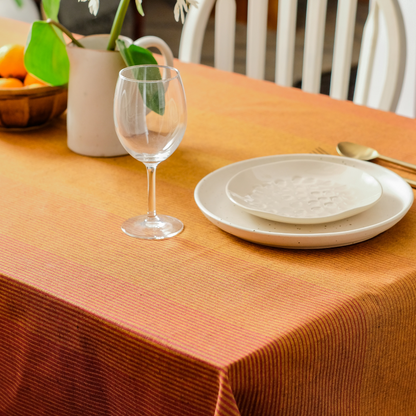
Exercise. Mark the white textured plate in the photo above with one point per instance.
(212, 200)
(303, 191)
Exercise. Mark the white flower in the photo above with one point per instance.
(181, 7)
(139, 7)
(93, 6)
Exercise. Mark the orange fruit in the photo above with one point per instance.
(32, 80)
(12, 61)
(10, 83)
(36, 85)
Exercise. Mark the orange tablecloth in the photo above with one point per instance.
(93, 322)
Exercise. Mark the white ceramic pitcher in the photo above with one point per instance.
(92, 82)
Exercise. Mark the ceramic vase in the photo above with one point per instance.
(92, 82)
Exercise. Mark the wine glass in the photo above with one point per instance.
(150, 120)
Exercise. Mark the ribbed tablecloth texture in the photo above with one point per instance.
(93, 322)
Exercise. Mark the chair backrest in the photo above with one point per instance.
(28, 12)
(225, 18)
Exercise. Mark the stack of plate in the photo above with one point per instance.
(304, 201)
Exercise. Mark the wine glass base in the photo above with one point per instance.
(156, 228)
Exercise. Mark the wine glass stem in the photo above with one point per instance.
(151, 191)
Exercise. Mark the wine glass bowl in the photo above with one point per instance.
(150, 119)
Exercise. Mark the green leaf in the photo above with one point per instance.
(51, 8)
(155, 94)
(19, 3)
(135, 55)
(46, 56)
(155, 97)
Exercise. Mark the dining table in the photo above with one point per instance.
(211, 322)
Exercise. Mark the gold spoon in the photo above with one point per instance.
(358, 151)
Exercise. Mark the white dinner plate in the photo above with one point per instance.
(303, 191)
(212, 200)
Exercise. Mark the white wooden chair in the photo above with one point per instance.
(225, 17)
(28, 12)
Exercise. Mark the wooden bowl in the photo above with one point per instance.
(30, 107)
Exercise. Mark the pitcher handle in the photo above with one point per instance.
(161, 45)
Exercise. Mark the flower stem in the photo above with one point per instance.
(117, 24)
(66, 31)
